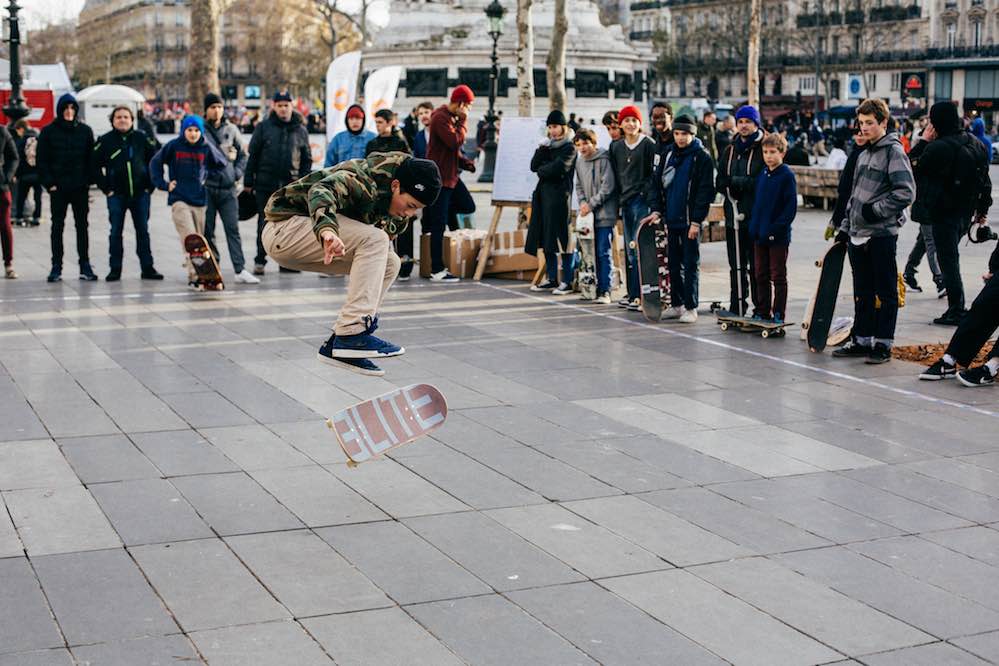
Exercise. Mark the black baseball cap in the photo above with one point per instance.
(281, 96)
(419, 178)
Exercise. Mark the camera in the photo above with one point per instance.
(982, 233)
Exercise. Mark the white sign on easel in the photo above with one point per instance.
(513, 180)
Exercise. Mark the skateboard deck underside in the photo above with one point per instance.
(204, 262)
(826, 293)
(653, 269)
(587, 274)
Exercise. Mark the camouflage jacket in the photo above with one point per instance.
(359, 189)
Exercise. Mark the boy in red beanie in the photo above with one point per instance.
(448, 127)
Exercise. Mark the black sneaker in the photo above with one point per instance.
(911, 284)
(939, 370)
(950, 318)
(941, 291)
(87, 273)
(445, 276)
(55, 275)
(152, 274)
(113, 276)
(852, 350)
(880, 354)
(975, 377)
(282, 269)
(547, 285)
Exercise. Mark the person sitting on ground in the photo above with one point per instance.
(340, 221)
(549, 229)
(597, 192)
(389, 138)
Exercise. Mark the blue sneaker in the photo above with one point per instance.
(361, 366)
(363, 345)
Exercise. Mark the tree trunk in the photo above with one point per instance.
(203, 56)
(753, 51)
(525, 59)
(556, 59)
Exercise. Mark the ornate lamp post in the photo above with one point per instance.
(495, 13)
(16, 108)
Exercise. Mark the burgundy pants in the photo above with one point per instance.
(771, 276)
(6, 231)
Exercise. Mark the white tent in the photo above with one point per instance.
(96, 103)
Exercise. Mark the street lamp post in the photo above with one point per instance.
(495, 13)
(16, 108)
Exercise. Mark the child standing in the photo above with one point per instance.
(189, 158)
(549, 229)
(774, 208)
(597, 192)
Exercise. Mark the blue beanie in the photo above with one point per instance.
(750, 112)
(192, 120)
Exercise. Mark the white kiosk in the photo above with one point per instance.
(96, 103)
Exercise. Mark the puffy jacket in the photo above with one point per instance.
(279, 153)
(189, 165)
(65, 150)
(883, 187)
(700, 188)
(8, 160)
(348, 144)
(120, 162)
(225, 137)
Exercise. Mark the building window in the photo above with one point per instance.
(896, 81)
(856, 43)
(977, 31)
(591, 83)
(426, 82)
(942, 85)
(872, 82)
(835, 45)
(951, 35)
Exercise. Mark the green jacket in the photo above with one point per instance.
(359, 189)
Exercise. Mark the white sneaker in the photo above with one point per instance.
(603, 299)
(688, 317)
(444, 276)
(246, 277)
(673, 313)
(562, 289)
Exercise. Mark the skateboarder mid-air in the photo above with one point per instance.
(340, 220)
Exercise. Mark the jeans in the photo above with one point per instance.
(771, 269)
(946, 235)
(875, 276)
(21, 195)
(925, 245)
(138, 206)
(224, 203)
(975, 329)
(603, 249)
(741, 268)
(262, 197)
(632, 212)
(79, 200)
(434, 223)
(552, 266)
(684, 267)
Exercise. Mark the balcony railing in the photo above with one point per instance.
(877, 15)
(641, 35)
(892, 13)
(646, 4)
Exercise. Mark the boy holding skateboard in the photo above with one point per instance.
(774, 208)
(597, 193)
(340, 221)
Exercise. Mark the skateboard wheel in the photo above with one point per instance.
(632, 245)
(818, 263)
(724, 326)
(764, 334)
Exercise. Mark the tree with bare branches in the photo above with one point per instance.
(346, 23)
(203, 58)
(525, 58)
(556, 59)
(753, 56)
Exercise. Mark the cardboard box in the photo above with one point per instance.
(525, 276)
(507, 254)
(712, 231)
(461, 252)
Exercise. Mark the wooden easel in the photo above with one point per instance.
(523, 216)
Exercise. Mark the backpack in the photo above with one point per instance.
(31, 151)
(971, 169)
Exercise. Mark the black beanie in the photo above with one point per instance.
(556, 117)
(944, 117)
(212, 98)
(419, 178)
(685, 123)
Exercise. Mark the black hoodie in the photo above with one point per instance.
(279, 153)
(65, 149)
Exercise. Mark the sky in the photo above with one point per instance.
(41, 12)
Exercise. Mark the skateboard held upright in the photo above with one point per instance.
(653, 268)
(586, 274)
(819, 316)
(204, 262)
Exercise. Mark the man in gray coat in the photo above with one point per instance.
(221, 186)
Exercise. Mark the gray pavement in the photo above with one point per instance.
(604, 491)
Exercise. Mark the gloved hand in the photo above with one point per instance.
(830, 232)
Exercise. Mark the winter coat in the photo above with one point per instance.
(8, 160)
(738, 168)
(706, 133)
(121, 163)
(348, 145)
(633, 167)
(549, 227)
(883, 187)
(189, 165)
(447, 134)
(774, 207)
(595, 186)
(933, 169)
(420, 143)
(279, 153)
(27, 174)
(699, 189)
(225, 137)
(65, 150)
(393, 143)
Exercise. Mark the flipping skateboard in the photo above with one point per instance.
(374, 427)
(653, 268)
(204, 262)
(766, 329)
(819, 314)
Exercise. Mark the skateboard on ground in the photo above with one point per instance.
(586, 274)
(653, 268)
(766, 328)
(204, 262)
(819, 314)
(374, 427)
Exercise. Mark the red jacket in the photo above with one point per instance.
(447, 134)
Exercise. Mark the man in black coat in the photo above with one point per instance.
(26, 140)
(279, 154)
(65, 147)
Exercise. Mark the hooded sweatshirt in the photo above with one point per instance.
(978, 129)
(883, 187)
(188, 164)
(348, 144)
(64, 150)
(595, 186)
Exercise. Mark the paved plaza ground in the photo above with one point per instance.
(604, 490)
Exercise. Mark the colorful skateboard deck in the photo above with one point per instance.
(653, 268)
(819, 316)
(376, 426)
(204, 262)
(766, 329)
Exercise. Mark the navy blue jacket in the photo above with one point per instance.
(774, 206)
(189, 165)
(700, 190)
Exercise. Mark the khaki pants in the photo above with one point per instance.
(188, 220)
(369, 261)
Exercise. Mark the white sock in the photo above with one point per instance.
(993, 365)
(949, 360)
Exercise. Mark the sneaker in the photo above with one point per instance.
(547, 285)
(911, 284)
(444, 276)
(361, 366)
(562, 289)
(363, 345)
(623, 302)
(603, 299)
(880, 354)
(112, 276)
(950, 318)
(975, 377)
(282, 269)
(852, 350)
(673, 313)
(941, 291)
(939, 370)
(35, 221)
(246, 277)
(777, 318)
(402, 278)
(688, 317)
(9, 273)
(55, 275)
(87, 273)
(151, 274)
(635, 305)
(258, 269)
(194, 285)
